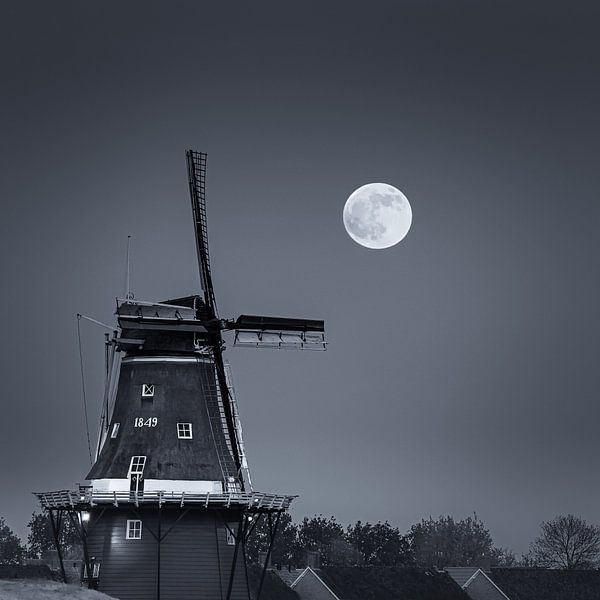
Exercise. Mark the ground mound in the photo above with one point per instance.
(46, 590)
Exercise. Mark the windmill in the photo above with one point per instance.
(168, 505)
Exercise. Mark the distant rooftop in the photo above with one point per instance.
(547, 584)
(377, 583)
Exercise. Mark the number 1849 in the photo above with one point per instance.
(149, 422)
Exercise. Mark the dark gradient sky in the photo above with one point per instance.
(461, 374)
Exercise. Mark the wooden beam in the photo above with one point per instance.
(238, 540)
(56, 534)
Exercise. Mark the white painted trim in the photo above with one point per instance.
(173, 359)
(146, 303)
(299, 577)
(474, 576)
(183, 485)
(159, 485)
(468, 581)
(315, 574)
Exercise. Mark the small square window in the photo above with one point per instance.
(184, 431)
(134, 530)
(147, 390)
(115, 430)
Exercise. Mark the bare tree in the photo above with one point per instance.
(567, 542)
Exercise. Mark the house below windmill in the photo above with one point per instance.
(458, 583)
(527, 584)
(372, 583)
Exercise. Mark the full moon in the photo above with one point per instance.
(377, 215)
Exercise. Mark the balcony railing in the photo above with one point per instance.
(87, 497)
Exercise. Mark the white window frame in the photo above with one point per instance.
(132, 531)
(95, 570)
(147, 390)
(229, 535)
(115, 430)
(136, 466)
(184, 431)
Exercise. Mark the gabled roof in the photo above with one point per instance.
(316, 575)
(288, 576)
(273, 587)
(461, 574)
(388, 583)
(547, 584)
(476, 582)
(481, 586)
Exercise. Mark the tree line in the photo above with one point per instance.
(566, 542)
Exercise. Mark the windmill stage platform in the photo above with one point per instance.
(87, 498)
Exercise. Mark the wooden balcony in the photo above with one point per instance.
(86, 498)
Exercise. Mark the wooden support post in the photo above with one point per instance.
(158, 541)
(238, 539)
(255, 519)
(218, 560)
(95, 521)
(56, 534)
(181, 515)
(245, 558)
(82, 535)
(272, 533)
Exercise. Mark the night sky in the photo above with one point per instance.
(461, 370)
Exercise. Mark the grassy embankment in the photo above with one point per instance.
(15, 589)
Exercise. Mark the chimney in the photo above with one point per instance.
(313, 559)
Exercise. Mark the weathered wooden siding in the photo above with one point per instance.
(195, 559)
(126, 566)
(179, 397)
(189, 560)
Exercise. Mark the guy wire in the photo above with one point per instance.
(85, 411)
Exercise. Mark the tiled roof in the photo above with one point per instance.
(461, 574)
(547, 584)
(273, 588)
(288, 576)
(390, 583)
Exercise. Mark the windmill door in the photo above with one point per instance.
(136, 483)
(136, 473)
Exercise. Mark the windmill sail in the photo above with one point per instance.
(196, 163)
(278, 332)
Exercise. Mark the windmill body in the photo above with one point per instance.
(168, 505)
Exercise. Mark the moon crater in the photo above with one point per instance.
(377, 215)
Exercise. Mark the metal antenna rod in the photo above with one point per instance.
(128, 294)
(110, 327)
